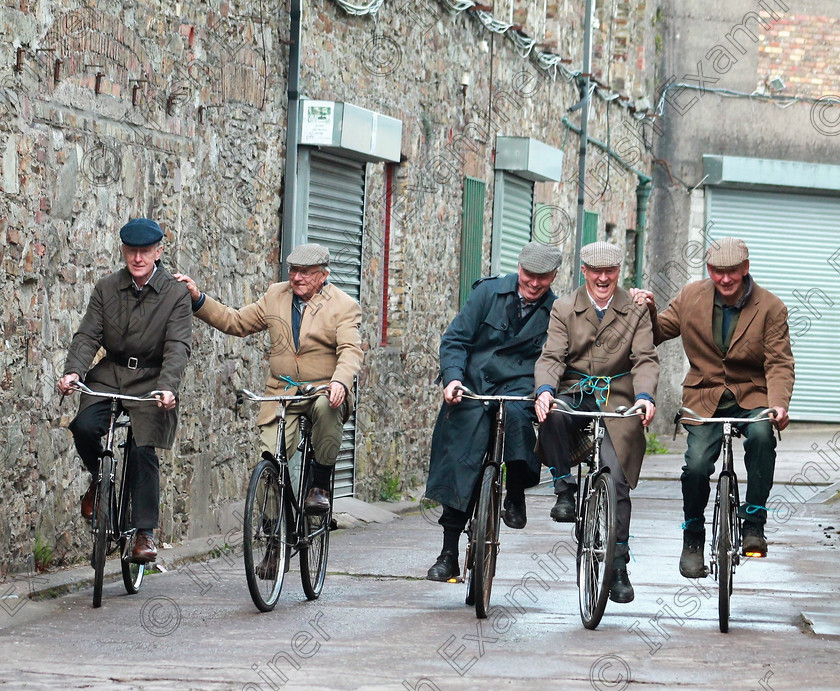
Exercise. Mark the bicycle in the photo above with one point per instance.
(112, 517)
(276, 527)
(726, 524)
(483, 527)
(595, 515)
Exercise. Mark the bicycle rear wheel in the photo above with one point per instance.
(132, 573)
(101, 526)
(724, 547)
(597, 550)
(313, 555)
(265, 536)
(486, 539)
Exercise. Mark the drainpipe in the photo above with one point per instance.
(643, 191)
(584, 139)
(289, 226)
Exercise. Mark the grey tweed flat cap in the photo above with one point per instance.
(726, 253)
(539, 258)
(310, 254)
(600, 255)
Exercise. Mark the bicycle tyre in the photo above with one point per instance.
(469, 560)
(487, 520)
(101, 526)
(132, 572)
(723, 548)
(316, 549)
(597, 550)
(265, 536)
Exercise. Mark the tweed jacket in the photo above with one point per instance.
(621, 344)
(330, 344)
(758, 366)
(157, 326)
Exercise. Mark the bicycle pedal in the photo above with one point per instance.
(456, 579)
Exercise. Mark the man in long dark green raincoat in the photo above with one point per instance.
(490, 347)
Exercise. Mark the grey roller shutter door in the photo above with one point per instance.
(793, 241)
(335, 218)
(517, 212)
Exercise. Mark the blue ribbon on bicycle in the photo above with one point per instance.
(597, 385)
(292, 383)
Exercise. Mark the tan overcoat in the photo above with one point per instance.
(330, 345)
(758, 366)
(621, 344)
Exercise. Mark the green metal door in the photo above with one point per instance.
(472, 234)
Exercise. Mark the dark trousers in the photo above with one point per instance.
(555, 435)
(88, 428)
(704, 444)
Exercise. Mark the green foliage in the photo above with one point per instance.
(653, 446)
(43, 554)
(389, 486)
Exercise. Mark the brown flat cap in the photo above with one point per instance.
(600, 255)
(311, 254)
(725, 253)
(539, 258)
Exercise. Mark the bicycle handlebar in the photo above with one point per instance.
(83, 388)
(466, 393)
(310, 392)
(622, 411)
(688, 415)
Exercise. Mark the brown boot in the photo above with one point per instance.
(88, 500)
(144, 549)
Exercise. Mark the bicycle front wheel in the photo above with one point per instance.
(132, 573)
(265, 536)
(724, 548)
(597, 550)
(486, 542)
(101, 526)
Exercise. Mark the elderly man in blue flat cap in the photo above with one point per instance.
(142, 317)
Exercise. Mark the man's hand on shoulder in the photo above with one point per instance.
(450, 395)
(337, 394)
(166, 400)
(782, 419)
(65, 384)
(195, 293)
(644, 297)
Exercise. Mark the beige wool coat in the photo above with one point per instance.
(621, 344)
(758, 366)
(330, 344)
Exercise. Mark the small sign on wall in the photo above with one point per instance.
(317, 122)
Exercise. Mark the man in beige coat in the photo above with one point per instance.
(599, 355)
(735, 335)
(314, 332)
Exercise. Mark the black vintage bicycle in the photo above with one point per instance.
(483, 527)
(276, 527)
(595, 516)
(726, 524)
(111, 525)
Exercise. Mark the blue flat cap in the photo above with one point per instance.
(141, 232)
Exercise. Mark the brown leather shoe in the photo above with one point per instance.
(317, 501)
(88, 500)
(267, 568)
(144, 549)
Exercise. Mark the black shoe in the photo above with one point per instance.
(266, 570)
(754, 544)
(691, 559)
(514, 514)
(621, 590)
(445, 568)
(563, 510)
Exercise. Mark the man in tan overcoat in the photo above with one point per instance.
(736, 337)
(599, 355)
(141, 316)
(314, 331)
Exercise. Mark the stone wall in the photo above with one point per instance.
(177, 112)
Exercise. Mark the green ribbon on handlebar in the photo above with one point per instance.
(596, 384)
